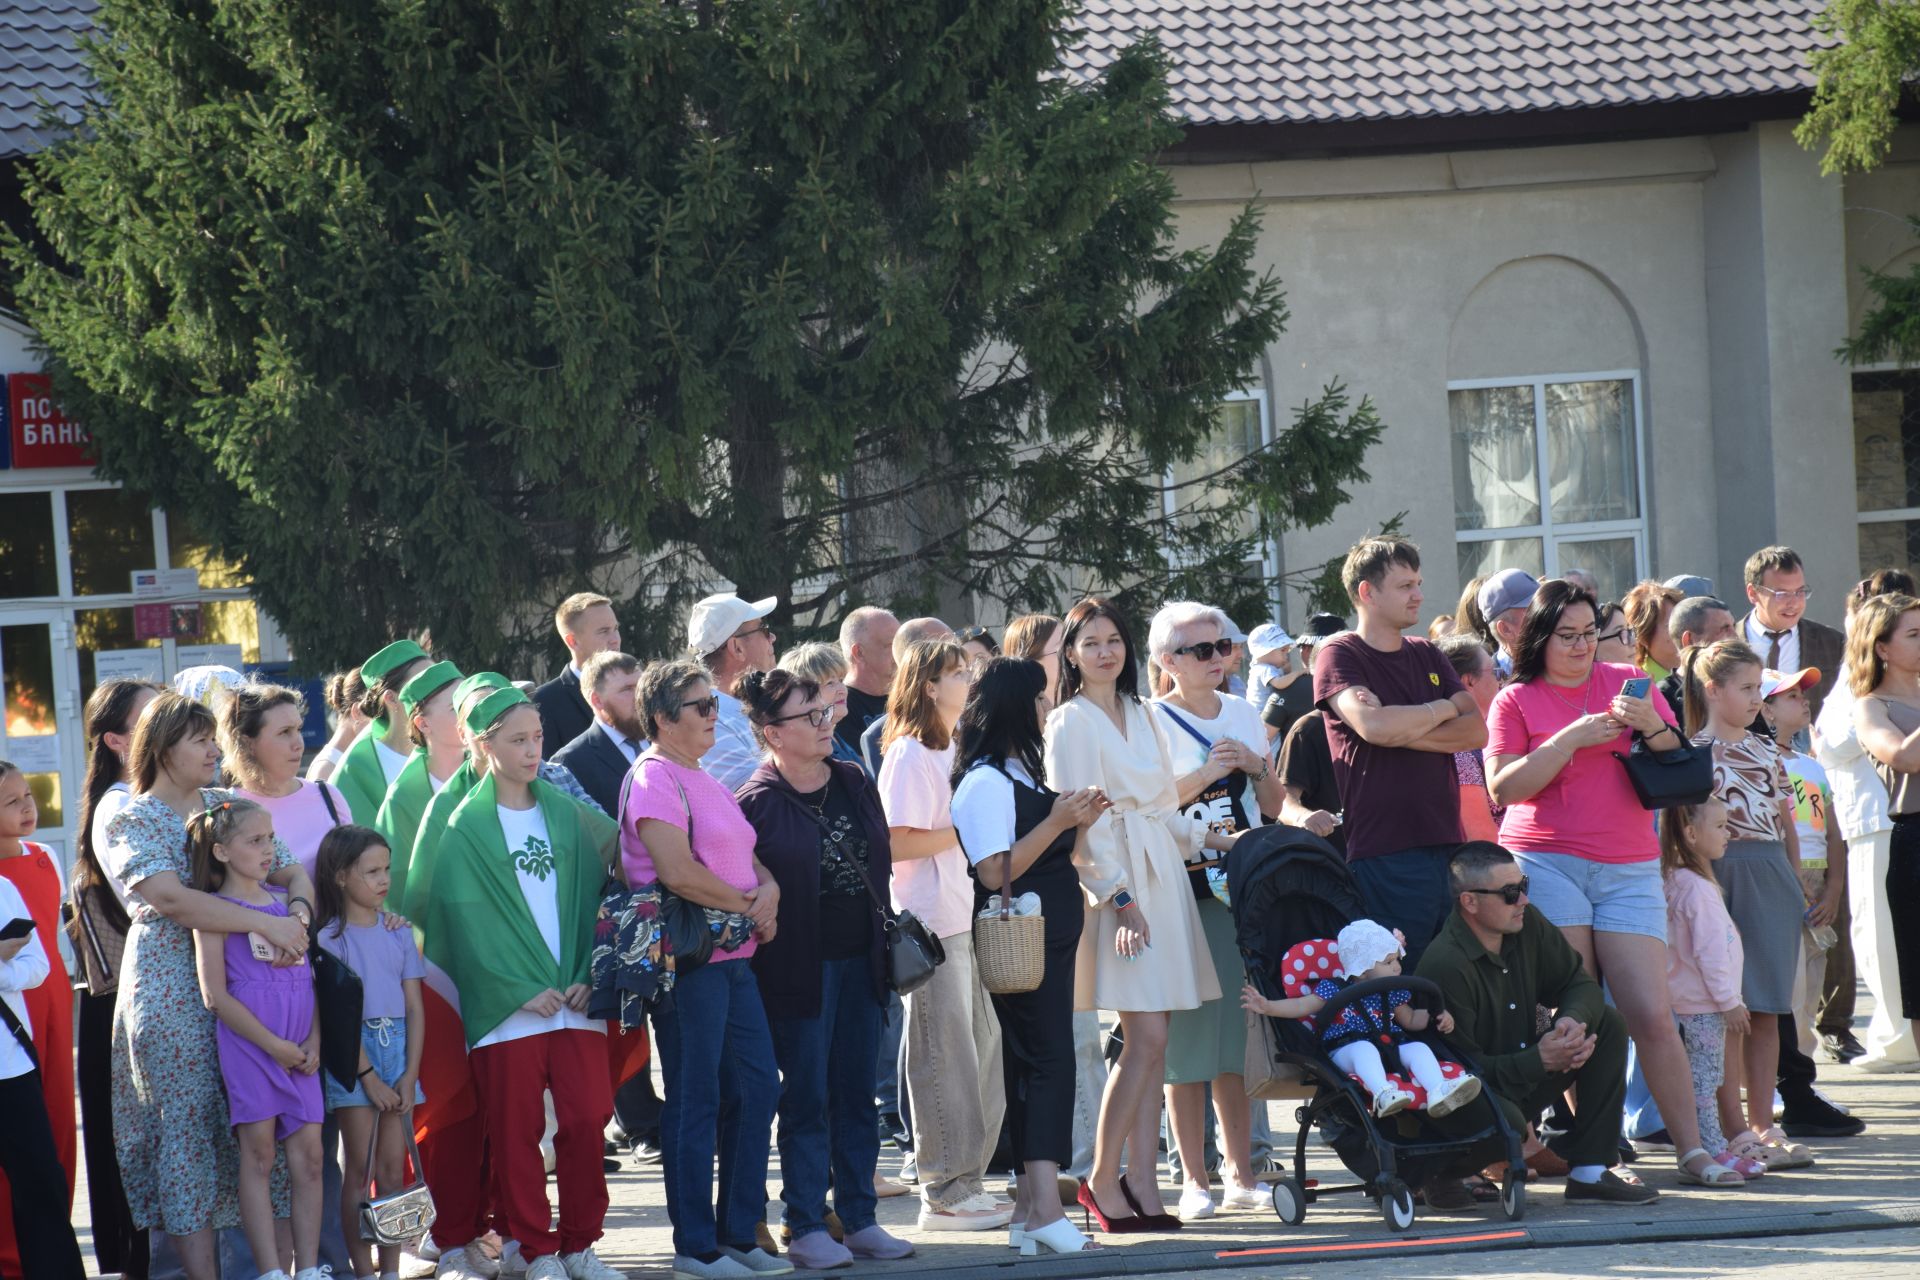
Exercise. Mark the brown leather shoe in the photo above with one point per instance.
(764, 1238)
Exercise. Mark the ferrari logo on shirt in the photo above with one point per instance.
(535, 859)
(1435, 677)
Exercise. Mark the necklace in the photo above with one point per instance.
(1586, 692)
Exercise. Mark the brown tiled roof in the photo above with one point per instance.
(1326, 61)
(39, 64)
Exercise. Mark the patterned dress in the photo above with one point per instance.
(178, 1159)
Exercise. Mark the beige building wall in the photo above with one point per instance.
(1714, 267)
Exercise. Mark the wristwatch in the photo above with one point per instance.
(1122, 900)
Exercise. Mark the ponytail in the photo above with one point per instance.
(212, 826)
(108, 710)
(1702, 665)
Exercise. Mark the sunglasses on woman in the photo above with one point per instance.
(1206, 649)
(706, 706)
(816, 717)
(1507, 893)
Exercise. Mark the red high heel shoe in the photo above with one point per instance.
(1127, 1224)
(1154, 1221)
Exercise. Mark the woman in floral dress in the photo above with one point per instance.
(177, 1155)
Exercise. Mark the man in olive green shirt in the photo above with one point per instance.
(1496, 959)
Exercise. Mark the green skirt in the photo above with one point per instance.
(1211, 1040)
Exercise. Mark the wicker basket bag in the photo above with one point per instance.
(1010, 951)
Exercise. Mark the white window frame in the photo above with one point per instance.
(1545, 529)
(1269, 550)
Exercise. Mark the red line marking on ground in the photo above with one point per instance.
(1364, 1245)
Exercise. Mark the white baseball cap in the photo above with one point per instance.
(715, 619)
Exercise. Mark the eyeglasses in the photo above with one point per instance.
(763, 628)
(1781, 597)
(1616, 636)
(1206, 649)
(816, 717)
(1507, 893)
(1575, 639)
(707, 706)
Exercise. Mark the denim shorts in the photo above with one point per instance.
(1614, 897)
(385, 1040)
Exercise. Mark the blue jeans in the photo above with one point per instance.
(828, 1123)
(1407, 891)
(717, 1059)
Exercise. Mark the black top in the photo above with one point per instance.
(564, 713)
(844, 904)
(1306, 762)
(862, 710)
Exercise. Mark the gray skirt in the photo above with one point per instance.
(1763, 897)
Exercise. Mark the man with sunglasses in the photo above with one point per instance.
(1395, 714)
(1498, 960)
(730, 637)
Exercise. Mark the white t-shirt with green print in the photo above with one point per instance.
(531, 847)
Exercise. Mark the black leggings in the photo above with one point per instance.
(41, 1223)
(118, 1245)
(1903, 904)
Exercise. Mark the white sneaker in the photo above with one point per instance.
(1391, 1101)
(1195, 1204)
(275, 1274)
(549, 1267)
(1821, 1094)
(512, 1265)
(417, 1262)
(321, 1272)
(1257, 1196)
(457, 1264)
(586, 1265)
(976, 1213)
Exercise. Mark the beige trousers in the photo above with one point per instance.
(954, 1078)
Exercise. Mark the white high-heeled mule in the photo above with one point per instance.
(1016, 1234)
(1058, 1236)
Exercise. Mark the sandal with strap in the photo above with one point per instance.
(1711, 1174)
(1745, 1166)
(1800, 1154)
(1751, 1146)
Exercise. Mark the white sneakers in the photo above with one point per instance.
(1195, 1204)
(1390, 1101)
(1452, 1095)
(586, 1265)
(976, 1213)
(1257, 1196)
(548, 1268)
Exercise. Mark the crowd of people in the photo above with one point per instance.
(273, 964)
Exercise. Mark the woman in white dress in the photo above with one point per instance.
(1143, 953)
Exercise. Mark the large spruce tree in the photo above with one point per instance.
(432, 311)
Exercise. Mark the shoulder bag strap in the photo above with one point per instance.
(620, 817)
(326, 797)
(19, 1033)
(880, 905)
(1192, 732)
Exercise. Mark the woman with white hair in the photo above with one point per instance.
(1224, 783)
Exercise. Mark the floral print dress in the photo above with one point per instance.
(178, 1159)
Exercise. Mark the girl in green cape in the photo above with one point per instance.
(516, 885)
(380, 752)
(439, 751)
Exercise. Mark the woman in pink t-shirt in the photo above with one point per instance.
(682, 828)
(260, 735)
(1574, 824)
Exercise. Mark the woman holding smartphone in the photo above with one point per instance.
(1576, 827)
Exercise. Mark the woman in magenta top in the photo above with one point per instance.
(683, 829)
(1589, 851)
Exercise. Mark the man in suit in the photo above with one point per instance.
(587, 626)
(601, 755)
(1787, 640)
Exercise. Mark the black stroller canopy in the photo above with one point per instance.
(1287, 885)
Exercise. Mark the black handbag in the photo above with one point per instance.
(1668, 779)
(912, 950)
(339, 998)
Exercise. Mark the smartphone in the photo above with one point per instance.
(16, 929)
(1636, 687)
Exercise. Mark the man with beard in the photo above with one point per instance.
(600, 756)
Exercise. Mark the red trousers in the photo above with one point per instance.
(457, 1172)
(512, 1076)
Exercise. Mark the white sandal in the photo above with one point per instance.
(1058, 1236)
(1714, 1174)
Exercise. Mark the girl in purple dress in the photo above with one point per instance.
(268, 1037)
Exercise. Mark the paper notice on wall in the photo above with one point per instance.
(165, 584)
(38, 754)
(207, 655)
(127, 664)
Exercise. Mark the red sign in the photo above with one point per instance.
(152, 622)
(42, 435)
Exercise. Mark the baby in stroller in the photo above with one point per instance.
(1354, 1039)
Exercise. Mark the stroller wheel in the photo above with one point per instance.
(1396, 1205)
(1289, 1202)
(1513, 1196)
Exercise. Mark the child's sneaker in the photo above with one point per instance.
(1391, 1101)
(1452, 1095)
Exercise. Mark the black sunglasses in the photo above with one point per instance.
(1507, 893)
(702, 706)
(1206, 649)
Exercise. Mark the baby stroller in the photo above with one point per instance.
(1291, 894)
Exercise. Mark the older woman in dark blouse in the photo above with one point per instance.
(822, 835)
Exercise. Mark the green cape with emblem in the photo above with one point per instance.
(478, 927)
(402, 812)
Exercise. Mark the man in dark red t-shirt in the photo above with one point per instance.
(1395, 713)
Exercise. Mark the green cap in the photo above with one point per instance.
(477, 681)
(481, 716)
(398, 654)
(429, 682)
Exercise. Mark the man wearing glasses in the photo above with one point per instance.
(730, 638)
(1497, 960)
(1778, 629)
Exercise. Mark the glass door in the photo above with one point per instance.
(41, 731)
